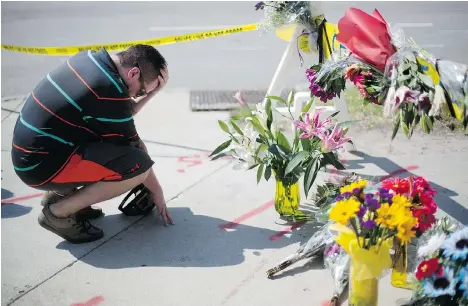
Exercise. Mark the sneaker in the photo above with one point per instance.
(70, 229)
(87, 213)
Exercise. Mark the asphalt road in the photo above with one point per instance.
(240, 61)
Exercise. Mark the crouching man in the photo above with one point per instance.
(76, 139)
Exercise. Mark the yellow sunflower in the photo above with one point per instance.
(401, 200)
(358, 184)
(344, 210)
(392, 216)
(405, 230)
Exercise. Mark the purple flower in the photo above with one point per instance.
(356, 191)
(371, 202)
(259, 6)
(362, 211)
(339, 198)
(369, 224)
(347, 194)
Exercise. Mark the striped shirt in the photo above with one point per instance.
(83, 100)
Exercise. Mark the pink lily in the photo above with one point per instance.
(334, 140)
(240, 99)
(312, 127)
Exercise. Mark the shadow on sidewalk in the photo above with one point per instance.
(443, 197)
(195, 241)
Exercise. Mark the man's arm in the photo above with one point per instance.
(137, 105)
(157, 193)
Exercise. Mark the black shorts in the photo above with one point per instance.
(87, 164)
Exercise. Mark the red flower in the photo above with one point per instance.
(421, 186)
(428, 203)
(427, 268)
(425, 219)
(400, 186)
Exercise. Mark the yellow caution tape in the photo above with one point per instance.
(70, 50)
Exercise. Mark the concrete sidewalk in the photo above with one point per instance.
(197, 262)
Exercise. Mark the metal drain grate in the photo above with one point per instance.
(222, 100)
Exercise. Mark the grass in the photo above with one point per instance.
(371, 116)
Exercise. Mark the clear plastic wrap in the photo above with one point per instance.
(454, 79)
(313, 247)
(338, 262)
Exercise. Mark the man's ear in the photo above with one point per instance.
(133, 73)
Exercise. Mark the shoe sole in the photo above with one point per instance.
(74, 241)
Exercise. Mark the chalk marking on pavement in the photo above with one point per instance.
(399, 171)
(287, 230)
(247, 215)
(19, 199)
(92, 302)
(245, 281)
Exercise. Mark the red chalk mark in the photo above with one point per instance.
(92, 302)
(288, 229)
(192, 161)
(18, 199)
(399, 171)
(246, 216)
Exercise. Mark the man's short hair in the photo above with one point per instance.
(146, 58)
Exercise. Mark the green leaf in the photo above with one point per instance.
(238, 130)
(220, 155)
(396, 126)
(283, 142)
(253, 167)
(221, 147)
(310, 175)
(277, 151)
(305, 144)
(257, 126)
(260, 172)
(334, 114)
(223, 126)
(330, 158)
(296, 161)
(267, 173)
(291, 98)
(403, 123)
(308, 106)
(260, 148)
(277, 99)
(269, 113)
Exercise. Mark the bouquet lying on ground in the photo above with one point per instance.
(261, 144)
(442, 275)
(392, 71)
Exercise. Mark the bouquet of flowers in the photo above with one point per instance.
(280, 13)
(421, 196)
(260, 144)
(374, 218)
(388, 70)
(367, 223)
(442, 275)
(328, 85)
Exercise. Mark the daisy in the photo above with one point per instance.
(444, 284)
(433, 245)
(463, 278)
(456, 246)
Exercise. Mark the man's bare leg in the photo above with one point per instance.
(95, 193)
